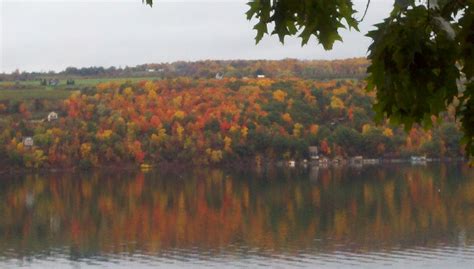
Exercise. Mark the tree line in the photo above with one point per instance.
(309, 69)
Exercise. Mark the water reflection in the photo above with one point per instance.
(334, 216)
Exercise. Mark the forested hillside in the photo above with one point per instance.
(210, 121)
(308, 69)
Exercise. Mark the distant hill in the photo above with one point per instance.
(307, 69)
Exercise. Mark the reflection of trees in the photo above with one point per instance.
(210, 208)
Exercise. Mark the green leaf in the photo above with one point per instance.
(303, 19)
(148, 2)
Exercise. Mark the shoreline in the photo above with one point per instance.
(239, 165)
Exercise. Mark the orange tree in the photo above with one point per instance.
(422, 54)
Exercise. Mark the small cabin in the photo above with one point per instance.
(260, 76)
(28, 141)
(313, 152)
(52, 116)
(291, 163)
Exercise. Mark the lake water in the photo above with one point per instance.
(402, 216)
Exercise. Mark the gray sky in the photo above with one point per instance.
(40, 35)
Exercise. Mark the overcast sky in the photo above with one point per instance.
(40, 35)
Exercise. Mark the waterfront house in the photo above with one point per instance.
(357, 160)
(313, 153)
(418, 159)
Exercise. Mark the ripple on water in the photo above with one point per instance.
(438, 256)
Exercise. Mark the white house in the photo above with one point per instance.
(219, 76)
(260, 76)
(28, 141)
(52, 116)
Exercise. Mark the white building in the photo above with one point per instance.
(28, 141)
(219, 76)
(52, 116)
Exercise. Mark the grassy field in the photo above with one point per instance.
(78, 82)
(33, 90)
(24, 94)
(95, 81)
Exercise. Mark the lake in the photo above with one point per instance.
(402, 216)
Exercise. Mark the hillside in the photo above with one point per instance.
(210, 121)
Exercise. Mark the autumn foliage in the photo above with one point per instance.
(210, 121)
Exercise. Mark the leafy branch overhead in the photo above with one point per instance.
(148, 2)
(422, 61)
(422, 54)
(321, 19)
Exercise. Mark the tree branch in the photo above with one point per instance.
(365, 12)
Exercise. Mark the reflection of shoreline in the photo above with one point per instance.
(277, 210)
